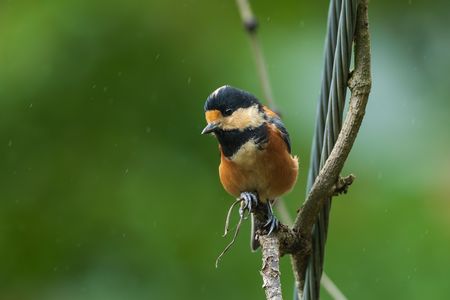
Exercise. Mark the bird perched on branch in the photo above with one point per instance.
(256, 161)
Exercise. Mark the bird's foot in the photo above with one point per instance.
(272, 222)
(249, 201)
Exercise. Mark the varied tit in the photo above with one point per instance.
(256, 161)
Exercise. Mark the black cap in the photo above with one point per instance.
(227, 99)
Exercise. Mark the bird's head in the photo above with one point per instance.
(229, 108)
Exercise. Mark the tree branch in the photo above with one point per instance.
(327, 180)
(270, 270)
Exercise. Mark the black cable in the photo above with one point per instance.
(338, 50)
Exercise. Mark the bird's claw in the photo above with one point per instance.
(272, 222)
(249, 201)
(271, 225)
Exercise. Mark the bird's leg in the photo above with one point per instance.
(272, 222)
(249, 201)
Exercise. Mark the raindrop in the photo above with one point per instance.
(189, 80)
(10, 143)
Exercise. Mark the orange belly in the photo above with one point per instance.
(270, 172)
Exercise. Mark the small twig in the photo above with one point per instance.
(242, 216)
(331, 288)
(251, 26)
(247, 17)
(227, 220)
(236, 232)
(342, 185)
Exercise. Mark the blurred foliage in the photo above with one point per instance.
(108, 191)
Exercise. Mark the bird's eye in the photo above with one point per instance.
(228, 111)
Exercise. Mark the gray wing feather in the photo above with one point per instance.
(283, 131)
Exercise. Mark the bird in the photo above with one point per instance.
(255, 151)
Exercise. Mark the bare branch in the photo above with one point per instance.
(270, 270)
(327, 180)
(273, 246)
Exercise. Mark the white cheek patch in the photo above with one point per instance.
(242, 118)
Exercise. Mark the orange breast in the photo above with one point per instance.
(271, 172)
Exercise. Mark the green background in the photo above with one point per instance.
(108, 191)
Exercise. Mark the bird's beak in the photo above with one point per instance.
(211, 127)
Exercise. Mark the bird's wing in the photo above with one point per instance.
(275, 120)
